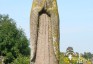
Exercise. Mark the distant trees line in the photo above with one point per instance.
(88, 55)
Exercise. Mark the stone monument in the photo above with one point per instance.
(44, 25)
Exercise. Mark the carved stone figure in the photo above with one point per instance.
(44, 25)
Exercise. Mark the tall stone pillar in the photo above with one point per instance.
(44, 25)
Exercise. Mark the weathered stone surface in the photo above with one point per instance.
(1, 60)
(44, 26)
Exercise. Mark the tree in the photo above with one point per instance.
(13, 41)
(21, 60)
(87, 55)
(62, 58)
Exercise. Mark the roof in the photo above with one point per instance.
(70, 48)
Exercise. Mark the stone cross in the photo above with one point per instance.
(44, 33)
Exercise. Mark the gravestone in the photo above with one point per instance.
(1, 60)
(44, 33)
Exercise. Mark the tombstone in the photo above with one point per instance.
(1, 60)
(92, 60)
(44, 33)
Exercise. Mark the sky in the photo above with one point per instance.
(76, 21)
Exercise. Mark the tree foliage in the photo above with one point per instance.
(13, 41)
(21, 60)
(87, 55)
(75, 59)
